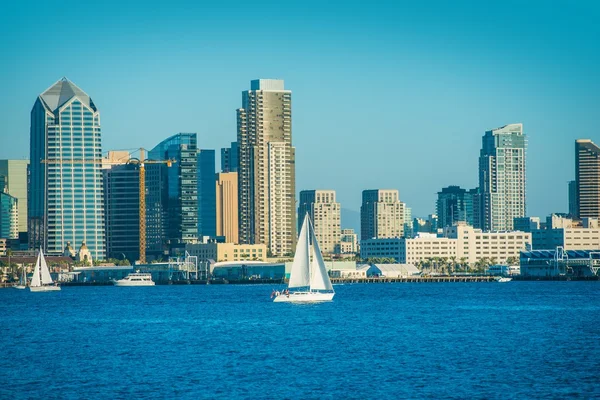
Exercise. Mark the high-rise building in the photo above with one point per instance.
(573, 207)
(122, 194)
(207, 201)
(502, 177)
(266, 167)
(66, 196)
(381, 214)
(227, 206)
(15, 172)
(325, 214)
(526, 224)
(229, 158)
(408, 221)
(587, 175)
(179, 185)
(9, 213)
(455, 204)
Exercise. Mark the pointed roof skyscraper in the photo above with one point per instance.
(63, 91)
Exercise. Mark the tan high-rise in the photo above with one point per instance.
(227, 206)
(325, 213)
(587, 172)
(266, 172)
(381, 214)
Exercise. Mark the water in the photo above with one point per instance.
(455, 340)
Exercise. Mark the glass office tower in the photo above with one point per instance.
(66, 197)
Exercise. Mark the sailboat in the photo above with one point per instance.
(41, 280)
(22, 282)
(309, 281)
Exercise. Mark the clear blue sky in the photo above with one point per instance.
(385, 94)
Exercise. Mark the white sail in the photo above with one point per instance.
(46, 278)
(35, 280)
(319, 280)
(299, 275)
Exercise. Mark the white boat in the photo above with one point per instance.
(503, 279)
(41, 280)
(22, 282)
(309, 281)
(135, 279)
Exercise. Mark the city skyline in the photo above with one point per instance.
(431, 93)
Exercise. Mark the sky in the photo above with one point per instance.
(390, 95)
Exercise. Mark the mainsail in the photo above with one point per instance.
(35, 280)
(46, 278)
(299, 275)
(319, 280)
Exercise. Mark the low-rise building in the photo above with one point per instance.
(461, 241)
(559, 262)
(348, 242)
(227, 251)
(567, 238)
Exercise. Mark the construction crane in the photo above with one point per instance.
(141, 163)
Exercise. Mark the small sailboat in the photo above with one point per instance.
(22, 282)
(309, 281)
(41, 280)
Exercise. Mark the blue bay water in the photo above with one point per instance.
(455, 340)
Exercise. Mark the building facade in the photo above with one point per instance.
(381, 214)
(207, 200)
(348, 242)
(66, 196)
(122, 195)
(15, 172)
(227, 251)
(229, 158)
(325, 213)
(408, 221)
(175, 191)
(574, 238)
(573, 206)
(587, 176)
(455, 204)
(266, 167)
(502, 177)
(463, 242)
(227, 206)
(526, 224)
(9, 216)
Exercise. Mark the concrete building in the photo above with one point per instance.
(227, 206)
(460, 241)
(527, 224)
(66, 196)
(502, 177)
(207, 201)
(325, 213)
(570, 238)
(587, 176)
(455, 204)
(266, 167)
(381, 214)
(220, 252)
(348, 242)
(15, 172)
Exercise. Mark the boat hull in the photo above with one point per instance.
(20, 287)
(44, 288)
(128, 283)
(303, 297)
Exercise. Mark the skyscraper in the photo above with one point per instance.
(407, 219)
(227, 206)
(502, 177)
(9, 213)
(122, 195)
(573, 207)
(455, 204)
(266, 172)
(381, 214)
(325, 213)
(207, 207)
(66, 197)
(229, 158)
(179, 186)
(15, 172)
(587, 175)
